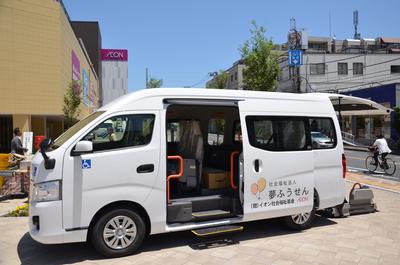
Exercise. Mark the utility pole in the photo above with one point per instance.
(294, 44)
(147, 77)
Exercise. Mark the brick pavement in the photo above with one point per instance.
(361, 239)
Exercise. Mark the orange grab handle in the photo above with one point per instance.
(175, 175)
(232, 162)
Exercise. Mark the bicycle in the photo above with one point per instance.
(387, 164)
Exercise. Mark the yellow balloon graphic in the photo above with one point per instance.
(261, 184)
(254, 188)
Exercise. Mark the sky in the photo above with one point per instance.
(181, 41)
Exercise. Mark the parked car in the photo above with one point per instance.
(321, 140)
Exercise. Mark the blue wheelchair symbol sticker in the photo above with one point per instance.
(86, 164)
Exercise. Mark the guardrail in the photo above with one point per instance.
(348, 138)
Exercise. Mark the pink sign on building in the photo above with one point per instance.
(76, 67)
(114, 55)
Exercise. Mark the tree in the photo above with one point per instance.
(154, 83)
(262, 65)
(72, 101)
(219, 80)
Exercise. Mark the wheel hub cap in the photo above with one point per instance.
(301, 218)
(119, 232)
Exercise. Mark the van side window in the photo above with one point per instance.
(275, 133)
(216, 131)
(323, 134)
(122, 131)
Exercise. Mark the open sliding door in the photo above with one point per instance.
(278, 160)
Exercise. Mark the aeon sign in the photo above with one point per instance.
(114, 55)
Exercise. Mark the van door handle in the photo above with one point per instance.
(145, 168)
(257, 165)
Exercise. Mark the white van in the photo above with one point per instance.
(187, 159)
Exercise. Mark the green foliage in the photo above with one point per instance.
(220, 126)
(262, 65)
(219, 81)
(72, 101)
(22, 210)
(154, 83)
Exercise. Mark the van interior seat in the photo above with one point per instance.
(191, 148)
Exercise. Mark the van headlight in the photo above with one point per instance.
(46, 191)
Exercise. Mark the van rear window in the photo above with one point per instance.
(323, 134)
(278, 133)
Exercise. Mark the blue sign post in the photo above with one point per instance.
(295, 57)
(85, 85)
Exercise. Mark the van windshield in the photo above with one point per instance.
(75, 128)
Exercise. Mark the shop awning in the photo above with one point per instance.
(348, 105)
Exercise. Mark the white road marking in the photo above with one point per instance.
(375, 174)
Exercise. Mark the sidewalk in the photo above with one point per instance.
(361, 239)
(10, 205)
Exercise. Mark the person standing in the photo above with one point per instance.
(16, 143)
(382, 148)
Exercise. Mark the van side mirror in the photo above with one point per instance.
(49, 163)
(82, 147)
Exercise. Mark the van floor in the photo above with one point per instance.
(202, 208)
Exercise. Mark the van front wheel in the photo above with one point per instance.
(118, 233)
(300, 221)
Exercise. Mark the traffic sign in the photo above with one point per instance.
(295, 57)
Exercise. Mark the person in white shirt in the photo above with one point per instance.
(382, 148)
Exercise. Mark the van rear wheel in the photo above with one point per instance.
(118, 233)
(300, 221)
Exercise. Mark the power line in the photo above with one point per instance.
(350, 78)
(369, 83)
(357, 76)
(201, 81)
(350, 69)
(350, 81)
(333, 61)
(361, 83)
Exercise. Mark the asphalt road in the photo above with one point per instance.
(356, 162)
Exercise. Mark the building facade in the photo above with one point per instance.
(366, 127)
(114, 65)
(235, 77)
(88, 32)
(337, 65)
(41, 55)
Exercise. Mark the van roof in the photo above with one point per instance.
(124, 102)
(199, 93)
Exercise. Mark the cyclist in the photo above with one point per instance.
(381, 148)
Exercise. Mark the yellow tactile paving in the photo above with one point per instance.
(383, 183)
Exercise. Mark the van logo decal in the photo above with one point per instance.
(257, 188)
(86, 164)
(281, 193)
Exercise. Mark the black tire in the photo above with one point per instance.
(391, 167)
(369, 164)
(292, 221)
(101, 241)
